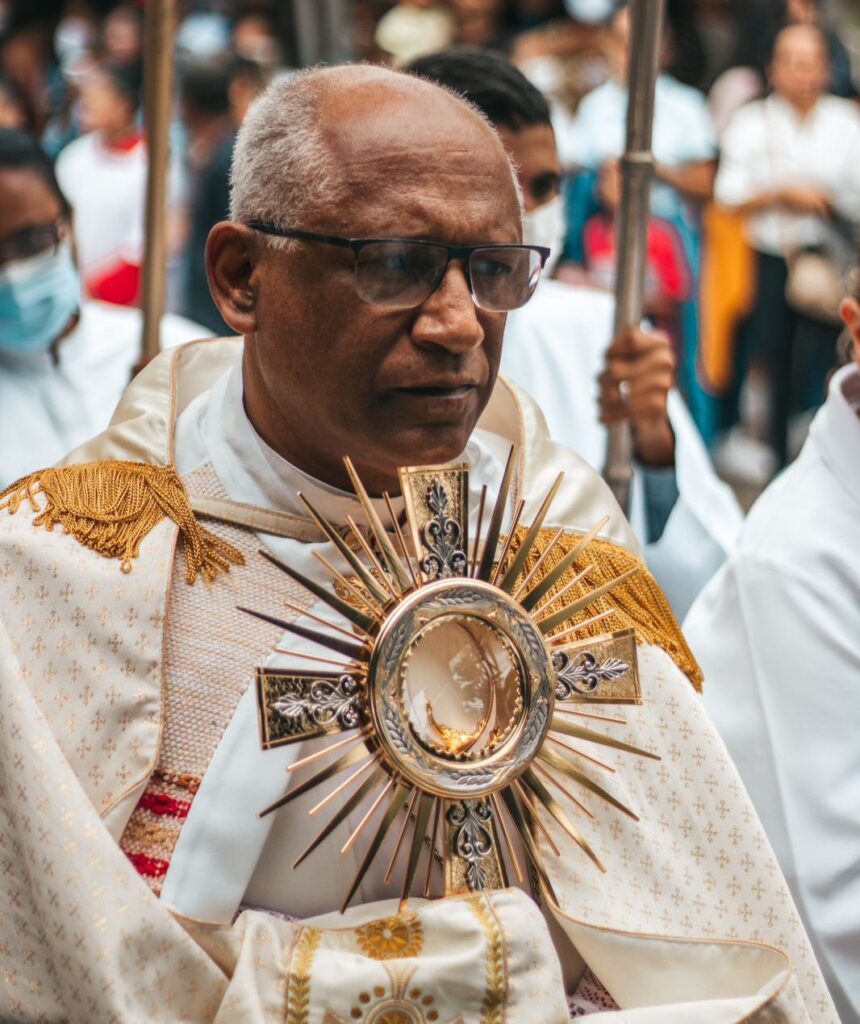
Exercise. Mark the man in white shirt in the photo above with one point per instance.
(560, 349)
(789, 165)
(777, 633)
(64, 361)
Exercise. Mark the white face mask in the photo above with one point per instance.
(544, 225)
(591, 12)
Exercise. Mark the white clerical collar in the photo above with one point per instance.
(835, 431)
(253, 473)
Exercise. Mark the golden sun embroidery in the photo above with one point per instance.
(391, 937)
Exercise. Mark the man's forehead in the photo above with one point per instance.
(415, 151)
(381, 122)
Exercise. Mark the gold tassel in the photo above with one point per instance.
(638, 602)
(110, 506)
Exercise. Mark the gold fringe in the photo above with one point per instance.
(110, 507)
(638, 602)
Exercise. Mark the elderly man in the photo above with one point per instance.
(785, 610)
(560, 349)
(373, 253)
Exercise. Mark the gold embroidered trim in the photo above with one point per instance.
(110, 506)
(496, 991)
(299, 976)
(638, 602)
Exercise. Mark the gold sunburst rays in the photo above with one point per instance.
(461, 679)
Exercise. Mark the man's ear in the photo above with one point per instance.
(229, 265)
(849, 310)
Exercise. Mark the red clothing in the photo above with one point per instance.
(667, 277)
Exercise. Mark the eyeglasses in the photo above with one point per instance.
(401, 273)
(30, 241)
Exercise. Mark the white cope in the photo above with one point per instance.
(777, 633)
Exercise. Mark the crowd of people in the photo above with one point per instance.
(745, 364)
(766, 240)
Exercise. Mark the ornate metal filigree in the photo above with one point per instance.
(602, 670)
(437, 508)
(472, 841)
(300, 705)
(583, 673)
(442, 537)
(320, 702)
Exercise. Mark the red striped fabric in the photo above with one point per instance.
(161, 803)
(151, 867)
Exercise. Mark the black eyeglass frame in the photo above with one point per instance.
(455, 252)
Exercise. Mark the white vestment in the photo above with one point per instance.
(48, 406)
(555, 348)
(777, 633)
(103, 670)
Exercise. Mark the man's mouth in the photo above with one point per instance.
(431, 391)
(452, 388)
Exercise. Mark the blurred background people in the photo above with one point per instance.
(103, 174)
(560, 348)
(64, 359)
(754, 31)
(413, 28)
(776, 633)
(64, 62)
(789, 166)
(122, 36)
(685, 151)
(215, 95)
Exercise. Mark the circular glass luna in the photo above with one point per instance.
(461, 688)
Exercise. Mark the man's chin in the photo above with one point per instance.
(425, 446)
(433, 451)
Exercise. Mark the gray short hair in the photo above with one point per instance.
(282, 168)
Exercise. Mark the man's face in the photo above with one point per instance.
(799, 70)
(328, 374)
(533, 152)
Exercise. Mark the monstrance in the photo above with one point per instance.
(457, 688)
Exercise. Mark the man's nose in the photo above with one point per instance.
(448, 317)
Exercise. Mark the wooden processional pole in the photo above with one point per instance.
(637, 168)
(158, 109)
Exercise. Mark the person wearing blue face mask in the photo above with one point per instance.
(64, 360)
(40, 288)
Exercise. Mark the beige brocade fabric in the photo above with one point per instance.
(698, 863)
(210, 653)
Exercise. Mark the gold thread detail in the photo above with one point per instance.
(638, 602)
(391, 938)
(111, 506)
(299, 976)
(496, 991)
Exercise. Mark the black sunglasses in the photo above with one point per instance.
(401, 273)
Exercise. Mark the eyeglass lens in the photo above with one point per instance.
(402, 275)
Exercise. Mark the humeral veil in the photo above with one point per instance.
(132, 774)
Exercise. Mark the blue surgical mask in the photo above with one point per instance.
(38, 297)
